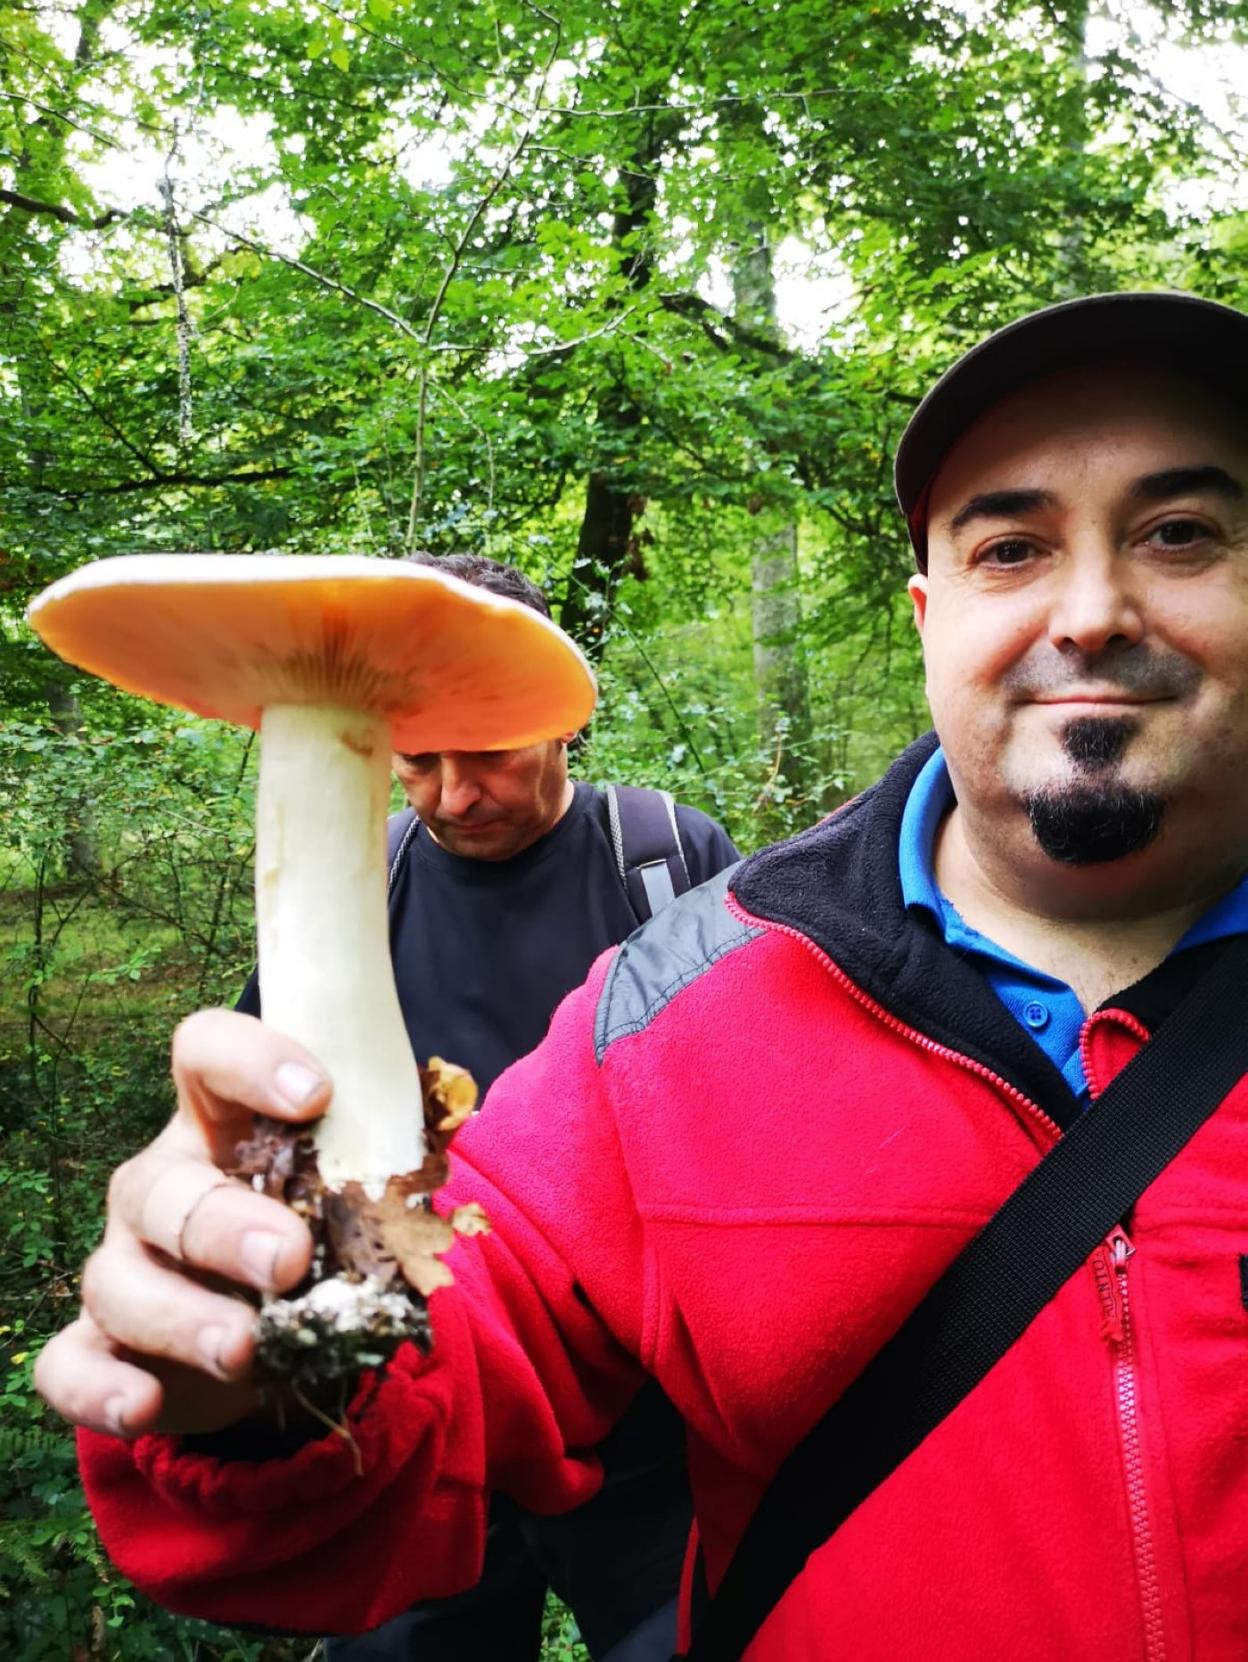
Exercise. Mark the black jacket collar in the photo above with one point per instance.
(839, 885)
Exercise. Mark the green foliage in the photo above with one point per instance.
(98, 962)
(561, 1640)
(59, 1596)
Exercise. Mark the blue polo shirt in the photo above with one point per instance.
(1044, 1006)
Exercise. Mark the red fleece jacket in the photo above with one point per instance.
(740, 1176)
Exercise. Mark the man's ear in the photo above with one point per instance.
(917, 589)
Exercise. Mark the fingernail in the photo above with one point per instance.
(297, 1084)
(211, 1342)
(115, 1415)
(258, 1253)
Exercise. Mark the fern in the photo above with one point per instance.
(19, 1443)
(17, 1548)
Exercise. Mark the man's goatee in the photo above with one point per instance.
(1086, 825)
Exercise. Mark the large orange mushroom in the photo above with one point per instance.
(337, 661)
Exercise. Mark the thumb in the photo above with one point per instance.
(228, 1066)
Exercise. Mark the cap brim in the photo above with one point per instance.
(1179, 333)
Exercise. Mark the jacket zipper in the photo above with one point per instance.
(1121, 1018)
(1048, 1127)
(1110, 1273)
(1118, 1330)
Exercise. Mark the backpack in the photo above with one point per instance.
(644, 837)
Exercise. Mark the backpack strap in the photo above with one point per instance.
(988, 1297)
(648, 852)
(400, 829)
(644, 835)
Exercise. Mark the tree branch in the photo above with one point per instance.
(67, 216)
(59, 115)
(103, 416)
(310, 271)
(167, 481)
(712, 320)
(193, 277)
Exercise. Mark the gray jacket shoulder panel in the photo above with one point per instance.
(664, 956)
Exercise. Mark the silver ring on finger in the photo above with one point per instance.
(225, 1183)
(172, 1201)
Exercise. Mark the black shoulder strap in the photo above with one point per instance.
(988, 1296)
(400, 829)
(647, 847)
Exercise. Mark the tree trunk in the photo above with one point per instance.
(604, 551)
(780, 681)
(1071, 279)
(606, 548)
(781, 687)
(80, 843)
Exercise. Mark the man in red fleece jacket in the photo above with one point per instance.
(771, 1120)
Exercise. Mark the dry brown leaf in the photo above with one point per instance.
(356, 1238)
(412, 1234)
(470, 1219)
(426, 1275)
(450, 1095)
(397, 1238)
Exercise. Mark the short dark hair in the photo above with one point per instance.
(484, 573)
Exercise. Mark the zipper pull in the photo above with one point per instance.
(1109, 1268)
(1121, 1248)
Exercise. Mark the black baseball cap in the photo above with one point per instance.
(1169, 331)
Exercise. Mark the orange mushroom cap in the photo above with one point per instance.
(450, 666)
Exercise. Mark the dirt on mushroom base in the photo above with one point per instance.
(375, 1259)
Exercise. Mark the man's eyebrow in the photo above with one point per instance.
(1001, 505)
(1184, 481)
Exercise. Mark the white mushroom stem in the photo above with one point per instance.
(325, 975)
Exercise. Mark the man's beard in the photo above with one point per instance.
(1086, 825)
(1092, 819)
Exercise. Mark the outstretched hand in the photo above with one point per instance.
(165, 1338)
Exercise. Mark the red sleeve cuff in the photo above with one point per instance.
(305, 1544)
